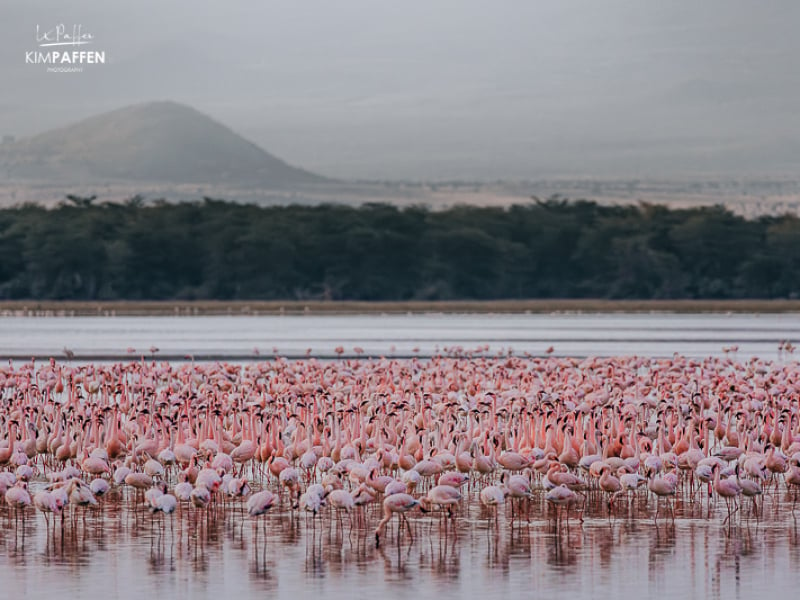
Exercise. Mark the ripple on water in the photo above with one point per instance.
(128, 554)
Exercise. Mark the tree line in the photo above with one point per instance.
(545, 249)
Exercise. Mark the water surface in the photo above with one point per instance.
(243, 337)
(127, 554)
(120, 552)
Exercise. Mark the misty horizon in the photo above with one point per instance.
(364, 90)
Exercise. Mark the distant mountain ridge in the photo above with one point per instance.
(152, 142)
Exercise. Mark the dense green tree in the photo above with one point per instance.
(85, 249)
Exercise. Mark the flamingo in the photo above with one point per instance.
(396, 504)
(442, 495)
(662, 487)
(728, 489)
(260, 502)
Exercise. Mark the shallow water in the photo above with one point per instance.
(126, 554)
(93, 338)
(121, 553)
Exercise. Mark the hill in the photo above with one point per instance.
(152, 142)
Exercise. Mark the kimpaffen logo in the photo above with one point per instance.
(67, 58)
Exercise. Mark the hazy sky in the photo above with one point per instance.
(441, 89)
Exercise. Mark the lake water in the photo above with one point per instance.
(239, 338)
(122, 553)
(119, 552)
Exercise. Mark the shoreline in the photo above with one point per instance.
(67, 308)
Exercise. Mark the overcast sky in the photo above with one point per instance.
(441, 89)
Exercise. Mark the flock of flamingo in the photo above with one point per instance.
(341, 436)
